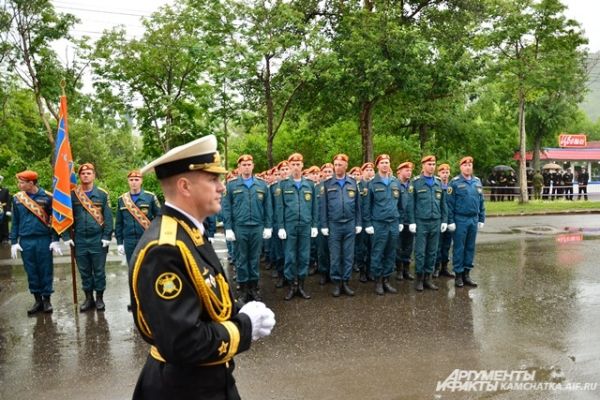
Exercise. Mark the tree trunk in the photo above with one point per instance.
(269, 103)
(366, 130)
(523, 195)
(537, 146)
(423, 136)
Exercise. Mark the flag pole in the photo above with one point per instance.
(63, 84)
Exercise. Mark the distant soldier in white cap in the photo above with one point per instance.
(181, 301)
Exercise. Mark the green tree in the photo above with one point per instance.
(32, 26)
(534, 46)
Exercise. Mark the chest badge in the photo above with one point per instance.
(168, 286)
(307, 196)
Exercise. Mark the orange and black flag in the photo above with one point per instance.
(64, 174)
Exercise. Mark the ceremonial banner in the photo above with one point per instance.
(64, 175)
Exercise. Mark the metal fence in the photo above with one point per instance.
(512, 193)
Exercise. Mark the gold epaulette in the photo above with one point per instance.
(104, 190)
(168, 231)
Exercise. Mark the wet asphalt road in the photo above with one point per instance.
(537, 309)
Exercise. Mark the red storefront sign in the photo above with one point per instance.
(572, 140)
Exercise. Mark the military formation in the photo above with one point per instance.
(33, 237)
(335, 221)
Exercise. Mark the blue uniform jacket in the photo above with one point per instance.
(429, 202)
(382, 201)
(25, 223)
(340, 204)
(126, 225)
(465, 197)
(296, 207)
(247, 206)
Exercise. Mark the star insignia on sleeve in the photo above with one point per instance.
(223, 348)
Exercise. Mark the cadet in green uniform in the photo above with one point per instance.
(277, 250)
(445, 242)
(135, 211)
(31, 234)
(324, 260)
(405, 246)
(427, 218)
(538, 184)
(363, 243)
(247, 215)
(382, 222)
(181, 301)
(296, 207)
(466, 214)
(93, 225)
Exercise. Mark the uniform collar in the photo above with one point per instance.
(193, 220)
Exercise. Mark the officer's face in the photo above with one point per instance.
(245, 168)
(87, 176)
(429, 168)
(384, 166)
(444, 174)
(284, 172)
(327, 172)
(204, 191)
(26, 186)
(296, 167)
(135, 184)
(466, 169)
(405, 174)
(340, 167)
(368, 173)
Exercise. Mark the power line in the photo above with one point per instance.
(101, 11)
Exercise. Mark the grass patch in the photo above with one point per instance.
(499, 208)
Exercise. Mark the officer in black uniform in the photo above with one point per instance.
(181, 301)
(5, 205)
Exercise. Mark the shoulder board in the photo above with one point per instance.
(328, 179)
(150, 193)
(121, 196)
(168, 231)
(437, 178)
(102, 190)
(48, 194)
(476, 178)
(456, 178)
(417, 177)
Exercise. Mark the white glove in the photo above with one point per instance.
(281, 234)
(400, 227)
(261, 317)
(267, 233)
(55, 247)
(105, 242)
(8, 213)
(211, 239)
(314, 232)
(412, 228)
(369, 230)
(69, 242)
(358, 229)
(13, 250)
(325, 231)
(121, 249)
(229, 235)
(443, 227)
(480, 225)
(451, 227)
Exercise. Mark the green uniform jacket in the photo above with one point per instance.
(296, 207)
(247, 206)
(429, 202)
(88, 233)
(126, 225)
